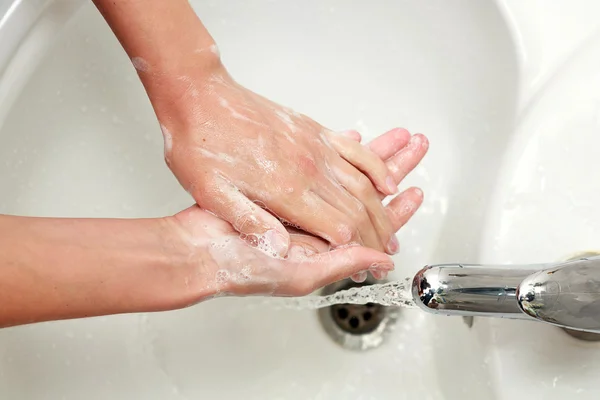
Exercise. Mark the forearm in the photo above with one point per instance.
(54, 268)
(166, 42)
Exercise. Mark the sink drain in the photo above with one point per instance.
(355, 326)
(579, 335)
(358, 319)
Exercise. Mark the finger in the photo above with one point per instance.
(361, 187)
(312, 244)
(351, 134)
(359, 277)
(304, 245)
(379, 275)
(314, 215)
(388, 144)
(301, 250)
(365, 161)
(404, 206)
(408, 158)
(322, 269)
(257, 227)
(336, 195)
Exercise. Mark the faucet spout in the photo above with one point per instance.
(565, 294)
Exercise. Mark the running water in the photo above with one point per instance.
(395, 293)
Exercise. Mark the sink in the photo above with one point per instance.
(545, 203)
(79, 139)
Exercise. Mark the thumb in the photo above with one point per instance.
(326, 268)
(256, 226)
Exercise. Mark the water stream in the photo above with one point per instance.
(396, 293)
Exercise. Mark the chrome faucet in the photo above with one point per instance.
(565, 294)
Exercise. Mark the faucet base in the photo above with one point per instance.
(585, 336)
(580, 335)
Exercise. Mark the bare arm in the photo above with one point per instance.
(53, 268)
(59, 268)
(233, 149)
(165, 40)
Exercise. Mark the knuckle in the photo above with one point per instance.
(359, 207)
(364, 217)
(306, 164)
(376, 164)
(347, 233)
(365, 187)
(245, 220)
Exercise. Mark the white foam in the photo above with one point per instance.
(221, 157)
(213, 48)
(262, 242)
(289, 137)
(326, 140)
(168, 140)
(140, 64)
(222, 276)
(286, 119)
(235, 114)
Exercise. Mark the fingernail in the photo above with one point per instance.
(393, 245)
(277, 241)
(359, 277)
(389, 181)
(381, 267)
(379, 275)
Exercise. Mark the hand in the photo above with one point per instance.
(402, 154)
(254, 163)
(236, 152)
(222, 263)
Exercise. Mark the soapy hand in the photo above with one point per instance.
(221, 262)
(258, 165)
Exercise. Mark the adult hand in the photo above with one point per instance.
(222, 263)
(254, 163)
(242, 157)
(60, 268)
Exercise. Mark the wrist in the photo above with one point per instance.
(189, 266)
(168, 55)
(182, 96)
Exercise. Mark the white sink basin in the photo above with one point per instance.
(546, 201)
(79, 139)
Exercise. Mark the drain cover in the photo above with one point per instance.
(356, 326)
(358, 319)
